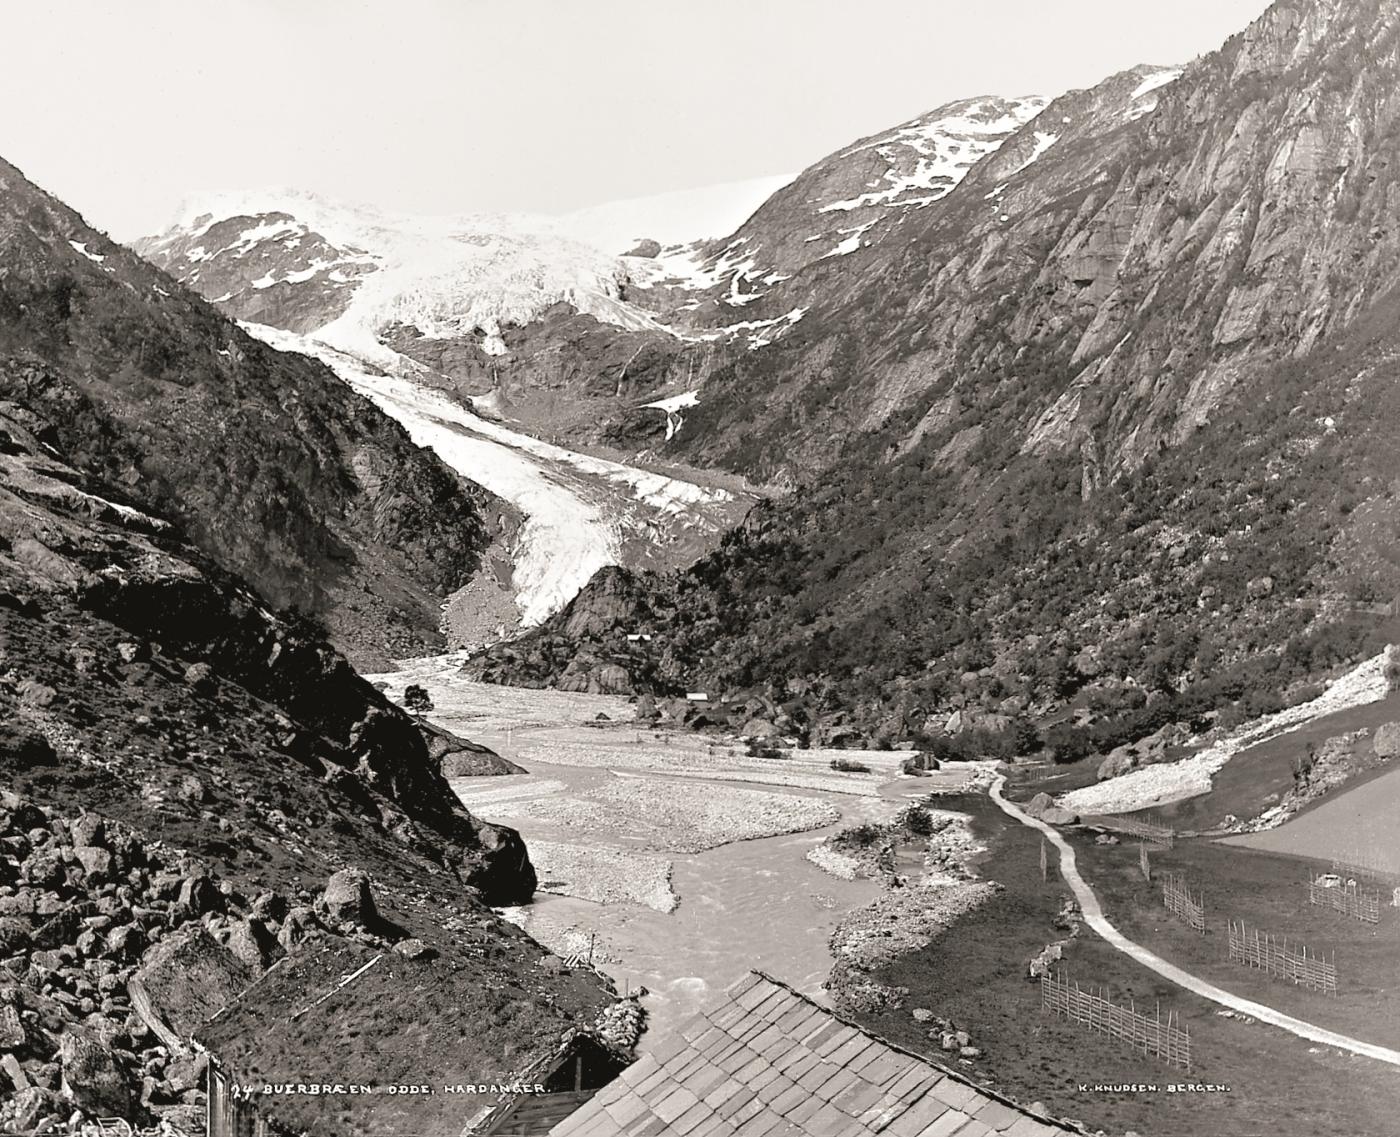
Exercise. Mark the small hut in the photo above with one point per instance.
(343, 1038)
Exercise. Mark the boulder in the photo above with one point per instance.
(14, 936)
(89, 830)
(97, 862)
(270, 907)
(200, 676)
(200, 894)
(252, 942)
(459, 757)
(1260, 587)
(92, 1078)
(499, 866)
(758, 727)
(1386, 743)
(186, 978)
(348, 897)
(1037, 806)
(1056, 815)
(12, 1033)
(300, 924)
(35, 694)
(1117, 763)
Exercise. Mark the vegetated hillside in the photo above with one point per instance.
(176, 761)
(1115, 424)
(268, 461)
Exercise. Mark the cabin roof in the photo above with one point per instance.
(765, 1059)
(338, 1012)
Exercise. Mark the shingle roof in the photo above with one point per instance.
(766, 1062)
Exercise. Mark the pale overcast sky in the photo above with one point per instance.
(124, 109)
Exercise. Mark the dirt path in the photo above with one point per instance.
(1094, 917)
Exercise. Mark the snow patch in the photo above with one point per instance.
(81, 247)
(672, 407)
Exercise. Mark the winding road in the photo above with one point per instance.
(1094, 917)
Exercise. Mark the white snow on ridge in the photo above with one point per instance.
(1143, 100)
(81, 247)
(948, 142)
(672, 408)
(676, 402)
(1156, 80)
(447, 276)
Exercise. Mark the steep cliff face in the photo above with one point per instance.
(1115, 289)
(1111, 414)
(268, 461)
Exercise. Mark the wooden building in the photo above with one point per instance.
(342, 1040)
(764, 1059)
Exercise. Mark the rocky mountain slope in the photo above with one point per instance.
(848, 199)
(269, 462)
(1109, 425)
(192, 782)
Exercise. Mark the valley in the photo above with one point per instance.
(905, 647)
(578, 513)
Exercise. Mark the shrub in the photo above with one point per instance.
(761, 748)
(849, 766)
(916, 820)
(861, 836)
(416, 698)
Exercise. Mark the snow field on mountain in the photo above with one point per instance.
(567, 535)
(564, 539)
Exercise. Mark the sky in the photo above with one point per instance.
(127, 109)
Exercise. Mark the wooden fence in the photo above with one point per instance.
(1348, 899)
(1161, 836)
(1180, 903)
(1167, 1040)
(1269, 954)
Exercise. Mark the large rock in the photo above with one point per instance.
(499, 866)
(1037, 806)
(186, 978)
(1057, 815)
(1117, 763)
(460, 757)
(348, 897)
(1387, 741)
(253, 943)
(607, 602)
(92, 1078)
